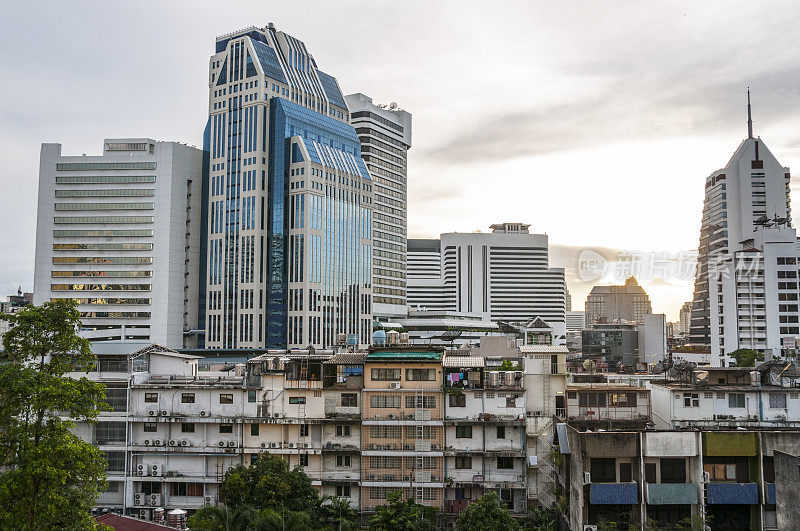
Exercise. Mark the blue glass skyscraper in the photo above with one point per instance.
(290, 201)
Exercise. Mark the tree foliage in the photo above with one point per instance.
(486, 514)
(541, 519)
(746, 357)
(51, 477)
(269, 484)
(403, 515)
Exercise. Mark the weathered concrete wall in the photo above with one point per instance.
(785, 441)
(611, 444)
(670, 444)
(787, 495)
(730, 444)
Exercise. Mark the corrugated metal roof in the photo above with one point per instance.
(405, 355)
(563, 442)
(118, 347)
(543, 349)
(347, 358)
(463, 361)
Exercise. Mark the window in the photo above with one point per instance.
(349, 400)
(721, 471)
(343, 491)
(463, 432)
(343, 430)
(187, 427)
(463, 462)
(115, 461)
(226, 428)
(303, 459)
(151, 397)
(735, 400)
(625, 473)
(511, 400)
(150, 427)
(187, 398)
(342, 460)
(109, 432)
(501, 432)
(297, 400)
(150, 487)
(386, 375)
(421, 375)
(592, 399)
(457, 400)
(622, 399)
(505, 463)
(226, 398)
(384, 401)
(673, 470)
(777, 400)
(691, 400)
(254, 429)
(603, 470)
(251, 396)
(426, 402)
(303, 430)
(650, 472)
(113, 486)
(186, 489)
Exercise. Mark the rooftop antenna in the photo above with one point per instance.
(749, 116)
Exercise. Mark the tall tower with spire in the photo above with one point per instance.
(746, 291)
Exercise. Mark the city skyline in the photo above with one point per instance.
(572, 109)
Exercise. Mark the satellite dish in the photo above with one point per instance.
(589, 365)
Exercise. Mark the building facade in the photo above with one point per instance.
(607, 304)
(121, 234)
(746, 290)
(290, 200)
(502, 276)
(385, 134)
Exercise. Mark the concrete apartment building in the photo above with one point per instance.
(122, 235)
(385, 134)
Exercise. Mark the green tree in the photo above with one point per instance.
(269, 484)
(485, 514)
(51, 477)
(746, 357)
(403, 515)
(222, 518)
(336, 513)
(541, 519)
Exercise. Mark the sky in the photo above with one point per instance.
(594, 122)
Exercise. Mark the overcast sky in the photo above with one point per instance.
(595, 122)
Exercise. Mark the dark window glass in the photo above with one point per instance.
(673, 470)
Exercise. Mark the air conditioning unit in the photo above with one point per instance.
(204, 413)
(587, 477)
(143, 514)
(406, 478)
(589, 527)
(395, 385)
(389, 447)
(184, 443)
(291, 445)
(706, 477)
(232, 444)
(173, 442)
(155, 470)
(264, 445)
(164, 413)
(210, 500)
(158, 442)
(306, 445)
(147, 442)
(222, 444)
(152, 412)
(271, 445)
(155, 500)
(138, 498)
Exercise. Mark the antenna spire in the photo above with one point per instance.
(749, 116)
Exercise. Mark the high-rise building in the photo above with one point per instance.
(290, 200)
(385, 133)
(608, 304)
(685, 317)
(746, 293)
(502, 276)
(121, 235)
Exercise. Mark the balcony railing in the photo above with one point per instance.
(613, 493)
(671, 493)
(732, 493)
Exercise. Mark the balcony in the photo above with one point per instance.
(732, 493)
(671, 493)
(613, 494)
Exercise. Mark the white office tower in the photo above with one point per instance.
(385, 133)
(120, 234)
(502, 276)
(746, 293)
(290, 201)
